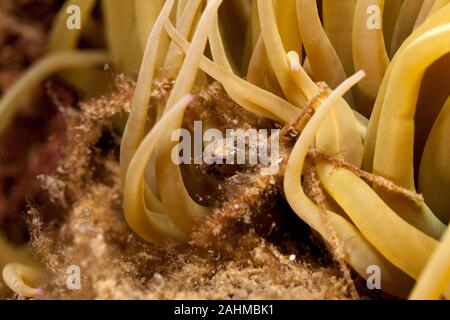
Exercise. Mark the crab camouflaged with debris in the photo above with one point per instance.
(356, 95)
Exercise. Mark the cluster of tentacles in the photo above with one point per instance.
(364, 148)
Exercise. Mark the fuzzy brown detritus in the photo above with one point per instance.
(250, 195)
(212, 103)
(84, 129)
(116, 265)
